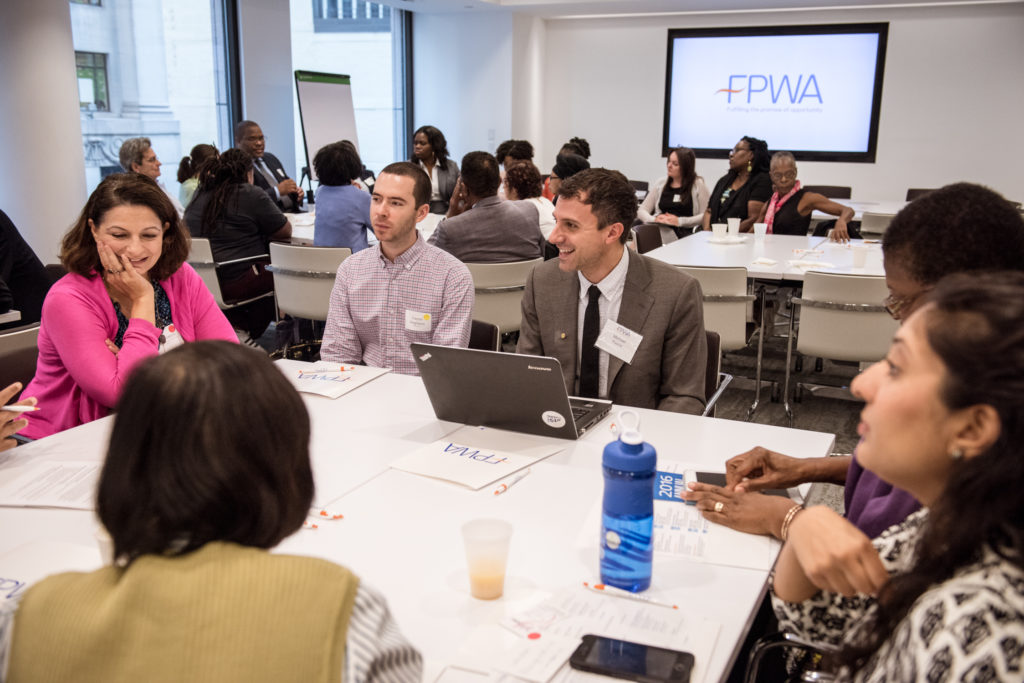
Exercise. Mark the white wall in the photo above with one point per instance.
(42, 182)
(952, 101)
(268, 83)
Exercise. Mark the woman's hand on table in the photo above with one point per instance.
(840, 233)
(11, 422)
(666, 219)
(833, 554)
(760, 468)
(752, 513)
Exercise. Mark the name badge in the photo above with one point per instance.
(170, 338)
(280, 172)
(619, 341)
(677, 199)
(417, 322)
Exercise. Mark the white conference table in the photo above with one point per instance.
(699, 249)
(401, 532)
(861, 206)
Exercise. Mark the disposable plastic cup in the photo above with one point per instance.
(486, 556)
(734, 226)
(760, 229)
(860, 255)
(718, 229)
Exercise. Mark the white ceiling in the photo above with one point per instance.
(560, 8)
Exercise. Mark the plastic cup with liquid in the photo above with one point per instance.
(486, 542)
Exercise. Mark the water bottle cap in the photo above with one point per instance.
(629, 452)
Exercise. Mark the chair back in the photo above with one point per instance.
(831, 191)
(304, 277)
(842, 317)
(200, 257)
(725, 302)
(648, 237)
(18, 354)
(715, 380)
(484, 336)
(874, 223)
(499, 292)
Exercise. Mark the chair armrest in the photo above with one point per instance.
(724, 379)
(836, 306)
(781, 640)
(318, 274)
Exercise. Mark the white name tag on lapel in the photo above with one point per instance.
(170, 338)
(417, 322)
(280, 172)
(619, 341)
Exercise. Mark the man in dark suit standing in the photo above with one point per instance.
(623, 326)
(268, 172)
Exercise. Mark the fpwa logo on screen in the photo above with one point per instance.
(772, 89)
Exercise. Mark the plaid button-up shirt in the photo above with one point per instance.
(378, 307)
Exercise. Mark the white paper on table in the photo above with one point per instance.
(478, 456)
(613, 617)
(764, 261)
(52, 484)
(331, 379)
(27, 564)
(804, 264)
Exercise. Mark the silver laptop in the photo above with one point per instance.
(504, 390)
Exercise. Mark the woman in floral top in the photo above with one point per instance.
(940, 596)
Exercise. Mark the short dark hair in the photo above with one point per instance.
(437, 143)
(78, 252)
(189, 463)
(524, 178)
(520, 150)
(480, 174)
(610, 196)
(243, 126)
(421, 186)
(577, 146)
(958, 228)
(337, 163)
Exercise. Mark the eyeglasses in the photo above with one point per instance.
(775, 175)
(897, 306)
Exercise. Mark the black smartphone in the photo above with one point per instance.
(632, 661)
(718, 479)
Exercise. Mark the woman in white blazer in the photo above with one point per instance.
(678, 200)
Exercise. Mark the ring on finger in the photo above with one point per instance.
(719, 506)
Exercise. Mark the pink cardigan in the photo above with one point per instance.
(77, 378)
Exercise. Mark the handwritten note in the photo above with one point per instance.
(332, 379)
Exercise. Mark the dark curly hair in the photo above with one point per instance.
(973, 324)
(78, 252)
(222, 177)
(577, 146)
(337, 164)
(762, 157)
(520, 150)
(608, 193)
(523, 177)
(437, 143)
(958, 228)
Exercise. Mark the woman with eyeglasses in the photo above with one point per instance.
(788, 211)
(742, 191)
(939, 596)
(959, 228)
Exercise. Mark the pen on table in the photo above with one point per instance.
(20, 409)
(620, 593)
(505, 486)
(323, 370)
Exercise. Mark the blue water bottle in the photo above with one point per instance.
(627, 520)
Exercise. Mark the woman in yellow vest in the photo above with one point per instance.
(207, 469)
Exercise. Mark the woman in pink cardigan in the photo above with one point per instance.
(128, 295)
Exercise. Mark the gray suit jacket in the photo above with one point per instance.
(661, 303)
(493, 231)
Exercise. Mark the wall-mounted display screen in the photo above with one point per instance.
(812, 90)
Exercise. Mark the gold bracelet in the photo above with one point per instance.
(788, 519)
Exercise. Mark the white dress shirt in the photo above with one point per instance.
(608, 304)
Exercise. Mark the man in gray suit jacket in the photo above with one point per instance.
(651, 351)
(481, 227)
(268, 172)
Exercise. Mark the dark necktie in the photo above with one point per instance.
(590, 371)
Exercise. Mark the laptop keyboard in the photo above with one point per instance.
(579, 411)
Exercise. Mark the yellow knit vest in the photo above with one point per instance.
(222, 613)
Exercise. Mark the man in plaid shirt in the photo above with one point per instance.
(401, 291)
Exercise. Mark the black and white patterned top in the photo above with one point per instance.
(969, 628)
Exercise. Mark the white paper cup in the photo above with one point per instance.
(486, 543)
(860, 255)
(734, 226)
(760, 229)
(719, 230)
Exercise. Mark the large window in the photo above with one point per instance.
(367, 42)
(151, 68)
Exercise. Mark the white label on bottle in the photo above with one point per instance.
(612, 540)
(553, 419)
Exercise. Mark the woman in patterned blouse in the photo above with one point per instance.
(941, 596)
